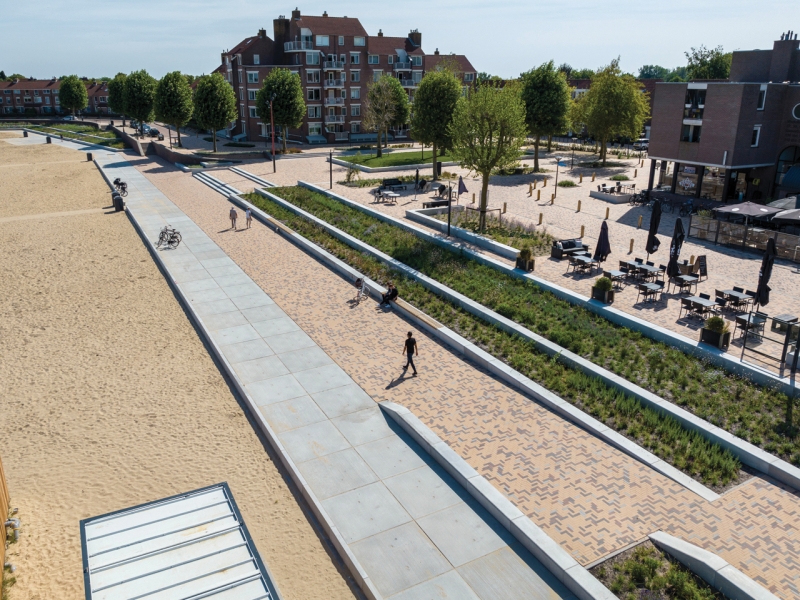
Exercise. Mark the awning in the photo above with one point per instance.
(791, 180)
(194, 545)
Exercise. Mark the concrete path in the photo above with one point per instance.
(590, 498)
(414, 530)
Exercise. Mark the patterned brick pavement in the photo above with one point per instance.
(589, 497)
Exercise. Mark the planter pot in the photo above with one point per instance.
(606, 297)
(713, 338)
(525, 265)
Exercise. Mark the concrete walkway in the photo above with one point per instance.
(412, 529)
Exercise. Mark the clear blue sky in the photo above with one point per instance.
(49, 37)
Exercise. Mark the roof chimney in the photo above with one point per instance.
(380, 32)
(296, 13)
(416, 38)
(262, 33)
(436, 52)
(325, 14)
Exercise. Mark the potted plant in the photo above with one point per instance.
(525, 259)
(716, 333)
(603, 290)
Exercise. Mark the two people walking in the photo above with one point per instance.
(233, 215)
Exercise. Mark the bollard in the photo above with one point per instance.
(473, 197)
(580, 178)
(639, 226)
(89, 157)
(631, 250)
(607, 211)
(635, 173)
(541, 216)
(593, 176)
(504, 208)
(579, 206)
(49, 141)
(583, 230)
(25, 133)
(544, 184)
(530, 190)
(552, 199)
(535, 181)
(538, 195)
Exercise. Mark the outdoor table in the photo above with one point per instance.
(391, 196)
(748, 321)
(782, 322)
(687, 280)
(587, 260)
(703, 301)
(740, 296)
(616, 276)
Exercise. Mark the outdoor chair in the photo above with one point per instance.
(700, 309)
(650, 264)
(738, 289)
(572, 262)
(752, 295)
(681, 284)
(721, 300)
(662, 269)
(705, 296)
(638, 260)
(685, 305)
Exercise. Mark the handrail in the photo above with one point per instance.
(292, 46)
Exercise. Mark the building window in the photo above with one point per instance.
(343, 93)
(314, 112)
(762, 97)
(373, 59)
(691, 133)
(695, 98)
(312, 76)
(341, 40)
(416, 76)
(355, 58)
(253, 114)
(359, 40)
(16, 92)
(355, 110)
(313, 94)
(391, 59)
(256, 59)
(355, 76)
(315, 129)
(241, 94)
(312, 58)
(416, 61)
(464, 91)
(355, 93)
(252, 77)
(796, 112)
(756, 136)
(323, 40)
(251, 94)
(469, 76)
(376, 75)
(355, 127)
(35, 92)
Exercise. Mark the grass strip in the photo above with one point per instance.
(662, 435)
(735, 404)
(395, 159)
(82, 133)
(505, 230)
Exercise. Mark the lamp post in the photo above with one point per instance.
(272, 130)
(558, 163)
(330, 161)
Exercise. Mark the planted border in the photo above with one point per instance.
(661, 434)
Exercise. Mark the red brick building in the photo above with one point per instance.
(581, 86)
(335, 59)
(40, 97)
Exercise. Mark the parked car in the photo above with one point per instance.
(68, 118)
(153, 132)
(641, 144)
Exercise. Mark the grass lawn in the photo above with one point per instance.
(83, 133)
(661, 435)
(506, 230)
(396, 159)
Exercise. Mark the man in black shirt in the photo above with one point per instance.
(410, 347)
(390, 294)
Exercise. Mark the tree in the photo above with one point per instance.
(614, 105)
(704, 63)
(581, 74)
(139, 96)
(214, 104)
(386, 105)
(173, 102)
(434, 104)
(546, 95)
(483, 78)
(3, 76)
(653, 72)
(488, 130)
(72, 94)
(289, 106)
(14, 76)
(116, 93)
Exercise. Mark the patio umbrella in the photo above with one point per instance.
(675, 249)
(749, 209)
(788, 216)
(462, 188)
(416, 184)
(603, 248)
(788, 203)
(655, 220)
(762, 292)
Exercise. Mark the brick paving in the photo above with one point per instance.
(591, 498)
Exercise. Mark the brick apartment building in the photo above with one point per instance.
(737, 138)
(336, 59)
(40, 97)
(581, 86)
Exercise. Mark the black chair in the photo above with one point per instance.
(738, 289)
(700, 309)
(705, 296)
(638, 260)
(662, 269)
(572, 262)
(752, 295)
(650, 264)
(685, 305)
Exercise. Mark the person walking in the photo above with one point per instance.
(410, 347)
(248, 215)
(233, 214)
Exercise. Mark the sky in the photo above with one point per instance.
(505, 38)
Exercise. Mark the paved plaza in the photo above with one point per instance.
(592, 499)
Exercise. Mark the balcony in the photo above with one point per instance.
(334, 83)
(693, 113)
(409, 83)
(297, 46)
(333, 65)
(334, 119)
(334, 101)
(341, 136)
(402, 66)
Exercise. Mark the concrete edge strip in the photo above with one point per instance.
(746, 452)
(348, 164)
(73, 140)
(215, 184)
(349, 559)
(252, 177)
(616, 316)
(713, 569)
(420, 216)
(548, 552)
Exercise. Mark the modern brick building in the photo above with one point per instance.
(733, 139)
(581, 86)
(336, 59)
(40, 97)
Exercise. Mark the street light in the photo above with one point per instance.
(272, 130)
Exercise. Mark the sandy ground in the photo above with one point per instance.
(108, 397)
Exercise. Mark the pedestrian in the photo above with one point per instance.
(410, 347)
(248, 214)
(233, 214)
(390, 295)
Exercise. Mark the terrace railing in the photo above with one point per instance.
(747, 237)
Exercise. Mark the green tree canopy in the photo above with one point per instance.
(434, 104)
(289, 107)
(581, 74)
(614, 105)
(116, 93)
(173, 103)
(488, 130)
(72, 94)
(546, 95)
(653, 72)
(214, 104)
(15, 76)
(3, 76)
(139, 96)
(386, 105)
(704, 63)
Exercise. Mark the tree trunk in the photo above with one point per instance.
(549, 143)
(379, 146)
(435, 173)
(484, 201)
(214, 138)
(603, 150)
(536, 154)
(386, 138)
(285, 135)
(178, 129)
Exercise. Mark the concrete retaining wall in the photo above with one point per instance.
(344, 163)
(172, 156)
(131, 141)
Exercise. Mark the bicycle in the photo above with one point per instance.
(363, 291)
(121, 187)
(687, 208)
(169, 237)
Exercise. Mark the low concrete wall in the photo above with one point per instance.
(344, 163)
(89, 145)
(714, 570)
(131, 141)
(612, 198)
(170, 155)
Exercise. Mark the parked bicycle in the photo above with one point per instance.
(121, 187)
(363, 291)
(169, 237)
(687, 208)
